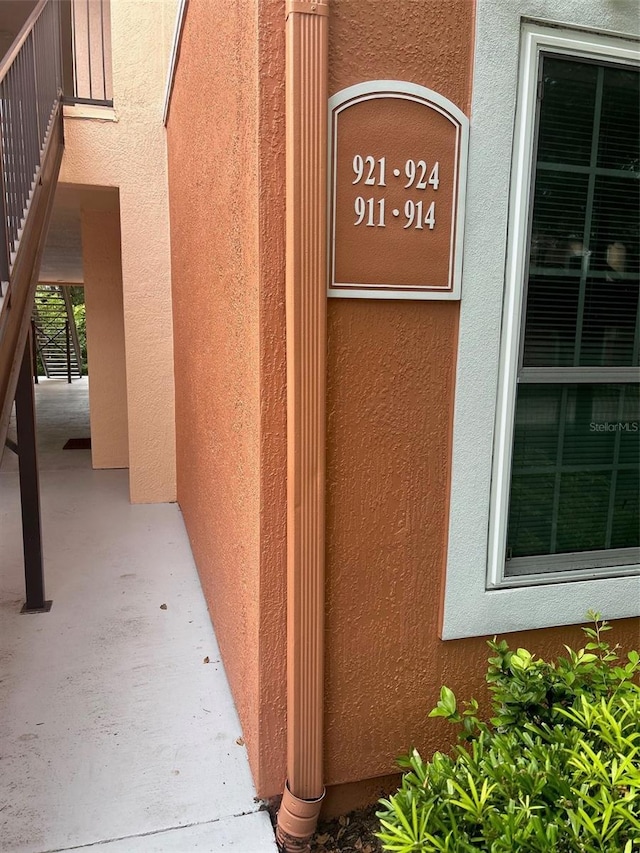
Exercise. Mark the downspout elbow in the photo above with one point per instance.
(297, 821)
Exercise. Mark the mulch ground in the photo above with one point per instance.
(352, 833)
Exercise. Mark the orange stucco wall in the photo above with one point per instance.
(390, 394)
(391, 385)
(226, 166)
(391, 371)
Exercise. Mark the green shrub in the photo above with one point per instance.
(80, 317)
(557, 768)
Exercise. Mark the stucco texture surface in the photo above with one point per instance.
(130, 153)
(391, 383)
(227, 232)
(391, 369)
(105, 337)
(390, 397)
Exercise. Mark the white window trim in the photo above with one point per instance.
(475, 601)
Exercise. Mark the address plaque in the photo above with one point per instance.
(397, 174)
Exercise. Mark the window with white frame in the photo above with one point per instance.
(573, 502)
(544, 515)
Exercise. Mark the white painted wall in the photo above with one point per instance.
(471, 610)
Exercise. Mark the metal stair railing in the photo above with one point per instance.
(72, 329)
(31, 144)
(87, 25)
(56, 335)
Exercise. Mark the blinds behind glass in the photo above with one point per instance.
(575, 462)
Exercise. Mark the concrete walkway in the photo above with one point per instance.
(115, 735)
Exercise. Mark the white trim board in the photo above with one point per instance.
(173, 62)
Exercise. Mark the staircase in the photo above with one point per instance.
(31, 144)
(56, 336)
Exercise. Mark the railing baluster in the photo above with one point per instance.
(34, 154)
(4, 223)
(91, 42)
(4, 119)
(6, 164)
(37, 96)
(58, 53)
(11, 170)
(89, 64)
(22, 158)
(15, 154)
(104, 67)
(74, 52)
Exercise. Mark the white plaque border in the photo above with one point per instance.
(371, 90)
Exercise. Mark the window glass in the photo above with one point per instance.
(569, 90)
(575, 469)
(574, 486)
(618, 141)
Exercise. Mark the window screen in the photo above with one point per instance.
(574, 484)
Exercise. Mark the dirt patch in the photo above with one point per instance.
(352, 833)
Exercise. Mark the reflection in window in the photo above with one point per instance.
(575, 462)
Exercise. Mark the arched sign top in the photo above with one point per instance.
(397, 174)
(397, 89)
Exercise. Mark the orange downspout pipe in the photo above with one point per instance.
(307, 37)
